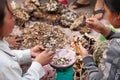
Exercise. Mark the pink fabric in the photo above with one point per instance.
(49, 72)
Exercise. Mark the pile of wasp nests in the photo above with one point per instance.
(41, 23)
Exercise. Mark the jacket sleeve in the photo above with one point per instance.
(91, 69)
(35, 72)
(111, 59)
(10, 69)
(22, 56)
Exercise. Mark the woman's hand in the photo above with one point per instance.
(95, 24)
(35, 51)
(44, 57)
(14, 42)
(83, 51)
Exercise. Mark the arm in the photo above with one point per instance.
(35, 72)
(10, 69)
(109, 66)
(91, 69)
(22, 56)
(95, 24)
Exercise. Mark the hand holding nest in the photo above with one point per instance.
(95, 24)
(83, 51)
(42, 55)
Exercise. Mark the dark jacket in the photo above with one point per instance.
(110, 67)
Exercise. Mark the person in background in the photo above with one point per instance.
(110, 67)
(98, 11)
(10, 60)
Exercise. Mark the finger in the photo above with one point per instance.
(51, 56)
(83, 50)
(90, 24)
(17, 44)
(19, 39)
(45, 51)
(51, 53)
(41, 47)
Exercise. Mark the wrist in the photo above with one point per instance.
(109, 35)
(32, 53)
(105, 31)
(83, 56)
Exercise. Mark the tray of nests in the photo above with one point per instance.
(22, 16)
(45, 34)
(63, 58)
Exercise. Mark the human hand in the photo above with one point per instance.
(95, 24)
(83, 51)
(44, 57)
(14, 42)
(35, 51)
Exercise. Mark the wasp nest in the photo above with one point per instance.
(68, 17)
(80, 25)
(50, 37)
(88, 43)
(61, 61)
(21, 16)
(79, 69)
(52, 6)
(32, 5)
(98, 53)
(54, 18)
